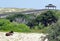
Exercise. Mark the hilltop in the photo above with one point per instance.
(6, 10)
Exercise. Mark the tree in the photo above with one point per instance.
(32, 23)
(13, 16)
(54, 32)
(46, 18)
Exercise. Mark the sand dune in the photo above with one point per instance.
(23, 37)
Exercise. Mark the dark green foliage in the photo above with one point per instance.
(28, 18)
(40, 26)
(32, 23)
(13, 16)
(46, 18)
(54, 32)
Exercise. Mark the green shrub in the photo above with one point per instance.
(47, 18)
(5, 25)
(41, 26)
(23, 27)
(54, 32)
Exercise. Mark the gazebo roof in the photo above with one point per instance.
(50, 5)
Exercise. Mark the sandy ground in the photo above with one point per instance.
(23, 37)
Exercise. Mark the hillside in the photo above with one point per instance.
(5, 10)
(20, 10)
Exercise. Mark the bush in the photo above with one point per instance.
(23, 28)
(47, 18)
(40, 26)
(5, 25)
(54, 32)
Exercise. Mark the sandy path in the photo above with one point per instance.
(22, 37)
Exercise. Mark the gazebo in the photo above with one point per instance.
(50, 6)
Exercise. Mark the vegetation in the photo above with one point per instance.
(46, 22)
(44, 19)
(6, 25)
(54, 32)
(47, 18)
(13, 16)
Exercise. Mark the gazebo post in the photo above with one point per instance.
(48, 7)
(55, 7)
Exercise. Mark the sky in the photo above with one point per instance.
(36, 4)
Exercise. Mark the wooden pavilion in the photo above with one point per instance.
(50, 6)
